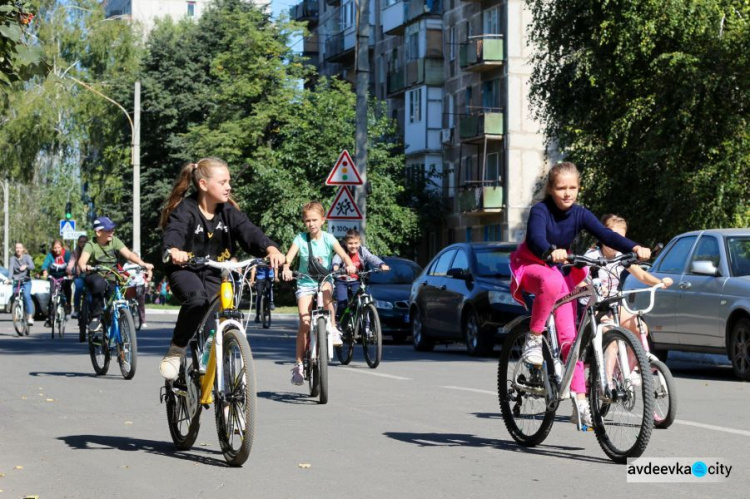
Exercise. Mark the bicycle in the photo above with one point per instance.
(228, 378)
(265, 303)
(361, 322)
(18, 310)
(665, 388)
(118, 330)
(57, 316)
(318, 350)
(530, 395)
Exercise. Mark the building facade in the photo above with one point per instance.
(455, 75)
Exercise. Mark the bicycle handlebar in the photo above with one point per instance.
(627, 259)
(297, 274)
(651, 290)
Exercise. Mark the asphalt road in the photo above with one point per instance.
(422, 425)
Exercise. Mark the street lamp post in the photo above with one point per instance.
(5, 206)
(135, 130)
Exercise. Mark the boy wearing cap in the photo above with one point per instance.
(103, 250)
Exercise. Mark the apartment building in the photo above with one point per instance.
(455, 75)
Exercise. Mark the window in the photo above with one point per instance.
(739, 255)
(492, 232)
(443, 264)
(191, 9)
(452, 42)
(415, 103)
(707, 250)
(347, 16)
(674, 261)
(468, 100)
(491, 21)
(450, 111)
(412, 46)
(461, 261)
(491, 95)
(469, 167)
(492, 168)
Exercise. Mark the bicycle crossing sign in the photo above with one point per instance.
(344, 172)
(67, 226)
(344, 207)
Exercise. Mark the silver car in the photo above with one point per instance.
(708, 307)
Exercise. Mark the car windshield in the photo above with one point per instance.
(739, 255)
(401, 273)
(493, 262)
(4, 272)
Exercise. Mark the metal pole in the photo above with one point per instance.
(362, 67)
(5, 239)
(137, 169)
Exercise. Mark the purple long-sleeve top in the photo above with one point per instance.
(548, 226)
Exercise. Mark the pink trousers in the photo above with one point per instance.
(549, 285)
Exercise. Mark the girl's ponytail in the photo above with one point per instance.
(181, 186)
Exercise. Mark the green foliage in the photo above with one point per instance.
(650, 98)
(19, 59)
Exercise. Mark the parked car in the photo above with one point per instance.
(463, 294)
(39, 295)
(708, 307)
(391, 293)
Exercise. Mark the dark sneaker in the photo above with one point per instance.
(47, 323)
(257, 318)
(272, 306)
(95, 325)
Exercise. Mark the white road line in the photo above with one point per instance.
(371, 373)
(475, 390)
(712, 427)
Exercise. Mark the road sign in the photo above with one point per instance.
(344, 172)
(67, 225)
(73, 235)
(344, 207)
(339, 228)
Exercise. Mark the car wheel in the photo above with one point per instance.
(420, 340)
(476, 343)
(739, 349)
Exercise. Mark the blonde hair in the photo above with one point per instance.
(564, 168)
(191, 172)
(610, 220)
(314, 206)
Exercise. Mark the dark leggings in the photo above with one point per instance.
(100, 291)
(194, 290)
(260, 288)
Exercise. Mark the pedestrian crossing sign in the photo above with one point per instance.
(67, 226)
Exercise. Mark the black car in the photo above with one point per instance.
(391, 293)
(463, 294)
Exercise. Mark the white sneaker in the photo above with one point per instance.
(30, 321)
(144, 325)
(298, 374)
(582, 410)
(532, 349)
(169, 367)
(635, 378)
(334, 336)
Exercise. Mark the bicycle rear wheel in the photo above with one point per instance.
(321, 357)
(183, 407)
(127, 351)
(235, 410)
(265, 307)
(99, 352)
(521, 392)
(19, 317)
(136, 314)
(665, 395)
(625, 429)
(372, 336)
(346, 351)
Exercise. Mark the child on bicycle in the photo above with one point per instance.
(362, 260)
(105, 249)
(73, 270)
(262, 277)
(207, 223)
(21, 266)
(56, 265)
(317, 245)
(535, 267)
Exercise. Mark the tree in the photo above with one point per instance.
(650, 98)
(19, 59)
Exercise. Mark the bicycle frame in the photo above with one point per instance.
(363, 298)
(638, 314)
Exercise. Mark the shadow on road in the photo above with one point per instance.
(128, 444)
(466, 440)
(64, 374)
(288, 398)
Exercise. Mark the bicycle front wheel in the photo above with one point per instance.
(19, 317)
(99, 352)
(127, 350)
(183, 408)
(624, 428)
(235, 407)
(265, 307)
(372, 336)
(522, 394)
(665, 395)
(346, 351)
(321, 357)
(59, 323)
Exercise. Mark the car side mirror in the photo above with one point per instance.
(704, 267)
(460, 274)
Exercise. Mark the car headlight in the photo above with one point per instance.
(385, 305)
(500, 298)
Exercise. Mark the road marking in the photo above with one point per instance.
(712, 427)
(390, 376)
(475, 390)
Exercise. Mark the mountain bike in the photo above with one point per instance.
(318, 349)
(18, 310)
(227, 379)
(361, 322)
(265, 303)
(665, 388)
(57, 316)
(621, 411)
(118, 334)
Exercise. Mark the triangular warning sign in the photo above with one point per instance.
(344, 172)
(344, 207)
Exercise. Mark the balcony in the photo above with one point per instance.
(333, 3)
(394, 17)
(482, 54)
(310, 46)
(340, 48)
(481, 199)
(395, 82)
(420, 8)
(424, 72)
(476, 128)
(306, 10)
